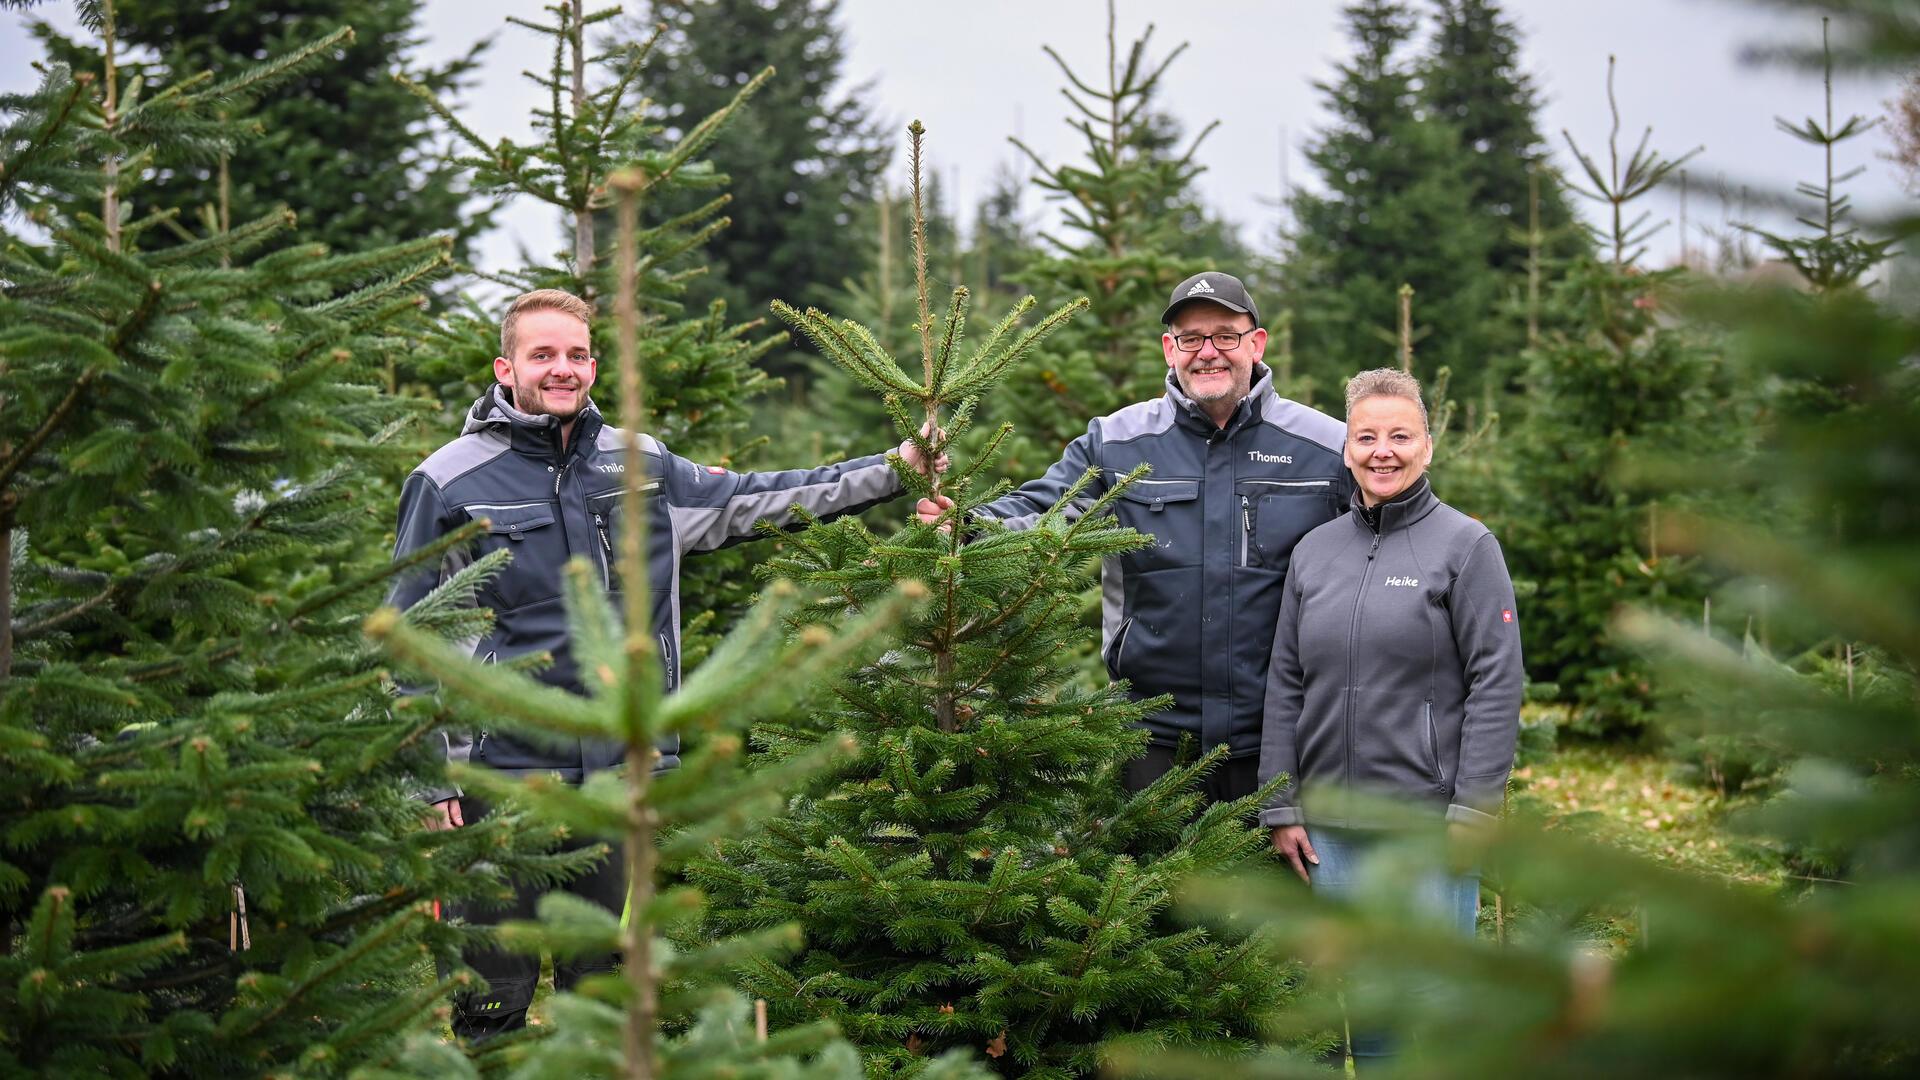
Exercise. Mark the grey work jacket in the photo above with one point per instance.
(1192, 614)
(546, 504)
(1396, 667)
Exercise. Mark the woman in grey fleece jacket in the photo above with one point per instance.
(1396, 660)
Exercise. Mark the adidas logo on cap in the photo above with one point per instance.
(1212, 287)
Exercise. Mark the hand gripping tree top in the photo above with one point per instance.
(971, 876)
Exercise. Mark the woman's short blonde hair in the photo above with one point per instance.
(540, 300)
(1385, 382)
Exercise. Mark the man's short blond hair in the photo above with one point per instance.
(1385, 382)
(540, 300)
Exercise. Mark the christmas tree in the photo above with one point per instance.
(1397, 208)
(803, 165)
(1616, 382)
(663, 1015)
(1125, 207)
(1472, 78)
(355, 185)
(841, 410)
(212, 860)
(973, 876)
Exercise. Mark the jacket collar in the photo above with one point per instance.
(1249, 409)
(1398, 512)
(535, 435)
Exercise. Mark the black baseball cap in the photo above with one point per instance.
(1215, 288)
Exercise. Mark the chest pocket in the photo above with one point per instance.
(532, 533)
(1168, 511)
(606, 516)
(1279, 513)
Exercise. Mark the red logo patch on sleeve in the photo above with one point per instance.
(1506, 614)
(716, 470)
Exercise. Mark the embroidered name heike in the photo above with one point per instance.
(1274, 459)
(1407, 581)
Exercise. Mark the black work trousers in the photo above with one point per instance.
(1231, 779)
(511, 977)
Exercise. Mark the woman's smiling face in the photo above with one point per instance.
(1388, 447)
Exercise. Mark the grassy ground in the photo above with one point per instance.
(1629, 798)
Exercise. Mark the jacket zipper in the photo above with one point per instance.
(606, 552)
(1353, 637)
(666, 654)
(1246, 527)
(480, 747)
(1433, 745)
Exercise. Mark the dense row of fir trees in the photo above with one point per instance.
(225, 336)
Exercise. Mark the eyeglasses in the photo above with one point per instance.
(1225, 342)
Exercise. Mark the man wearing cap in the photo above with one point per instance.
(1239, 475)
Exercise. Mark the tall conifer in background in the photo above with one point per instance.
(973, 875)
(803, 164)
(1398, 207)
(211, 862)
(1473, 79)
(1617, 380)
(312, 145)
(1124, 207)
(1833, 253)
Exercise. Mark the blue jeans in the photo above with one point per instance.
(1350, 866)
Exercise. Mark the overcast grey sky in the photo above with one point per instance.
(974, 72)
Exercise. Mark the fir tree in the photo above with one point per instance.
(1835, 255)
(1620, 381)
(663, 1015)
(1472, 79)
(840, 414)
(973, 875)
(1398, 208)
(355, 185)
(211, 860)
(1125, 206)
(804, 163)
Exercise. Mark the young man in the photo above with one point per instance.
(536, 461)
(1239, 475)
